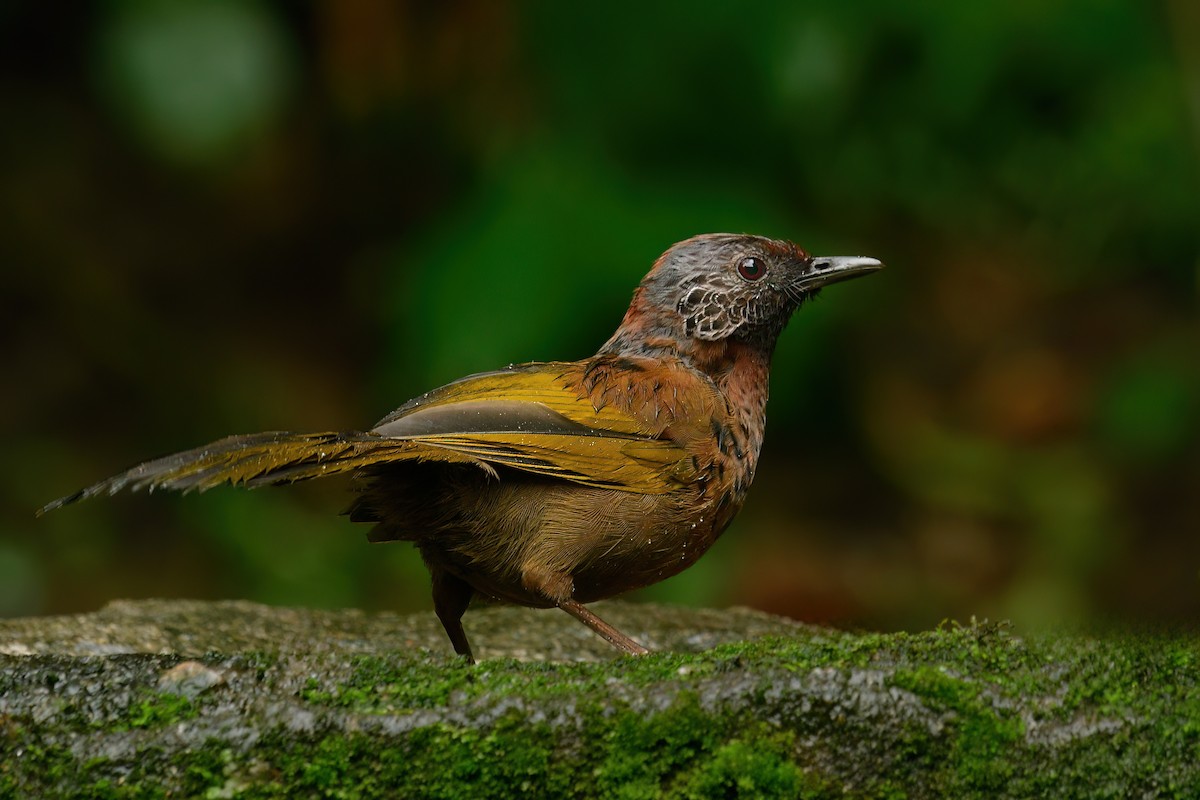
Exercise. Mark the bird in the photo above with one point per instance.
(556, 484)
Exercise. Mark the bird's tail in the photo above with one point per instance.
(252, 460)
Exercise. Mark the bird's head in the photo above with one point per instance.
(727, 287)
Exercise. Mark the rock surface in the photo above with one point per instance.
(192, 699)
(194, 628)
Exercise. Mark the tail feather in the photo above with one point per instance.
(252, 460)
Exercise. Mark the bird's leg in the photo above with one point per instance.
(557, 588)
(451, 596)
(607, 632)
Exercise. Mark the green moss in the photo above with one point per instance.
(158, 708)
(988, 714)
(205, 768)
(642, 754)
(395, 683)
(390, 684)
(676, 753)
(984, 739)
(438, 762)
(974, 677)
(742, 768)
(48, 765)
(111, 790)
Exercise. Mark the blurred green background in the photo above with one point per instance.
(228, 217)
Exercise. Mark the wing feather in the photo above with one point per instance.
(538, 419)
(585, 422)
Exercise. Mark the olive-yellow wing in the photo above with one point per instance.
(530, 417)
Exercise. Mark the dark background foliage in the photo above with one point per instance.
(228, 217)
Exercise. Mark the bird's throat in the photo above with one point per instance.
(742, 372)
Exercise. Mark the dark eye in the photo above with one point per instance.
(752, 268)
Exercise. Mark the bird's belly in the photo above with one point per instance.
(657, 547)
(606, 541)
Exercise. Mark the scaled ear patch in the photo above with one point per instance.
(710, 313)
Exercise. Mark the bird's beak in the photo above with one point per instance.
(824, 270)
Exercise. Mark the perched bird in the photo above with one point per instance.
(561, 483)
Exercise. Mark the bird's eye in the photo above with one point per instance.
(751, 268)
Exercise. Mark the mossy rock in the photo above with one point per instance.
(186, 699)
